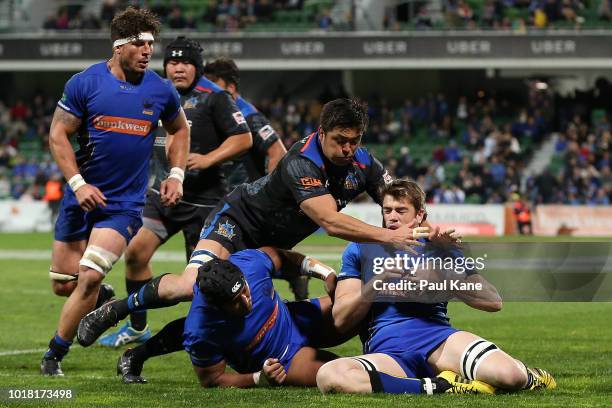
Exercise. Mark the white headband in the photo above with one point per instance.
(138, 37)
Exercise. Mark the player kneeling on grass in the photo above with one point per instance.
(407, 340)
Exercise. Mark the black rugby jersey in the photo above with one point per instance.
(268, 210)
(251, 165)
(213, 117)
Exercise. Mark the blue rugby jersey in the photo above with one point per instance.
(118, 119)
(358, 262)
(244, 342)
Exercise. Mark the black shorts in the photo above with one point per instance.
(226, 230)
(167, 221)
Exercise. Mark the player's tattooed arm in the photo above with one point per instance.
(68, 121)
(63, 125)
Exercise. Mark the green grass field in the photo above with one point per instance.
(571, 340)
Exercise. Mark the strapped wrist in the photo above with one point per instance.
(177, 173)
(77, 181)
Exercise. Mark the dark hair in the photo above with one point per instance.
(132, 21)
(344, 113)
(224, 68)
(404, 188)
(220, 281)
(185, 49)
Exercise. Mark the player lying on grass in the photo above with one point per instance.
(238, 319)
(407, 340)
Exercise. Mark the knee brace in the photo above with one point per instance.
(473, 355)
(99, 259)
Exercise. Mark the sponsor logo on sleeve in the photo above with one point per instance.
(118, 124)
(265, 132)
(239, 118)
(310, 182)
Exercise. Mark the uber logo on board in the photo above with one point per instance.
(468, 47)
(553, 47)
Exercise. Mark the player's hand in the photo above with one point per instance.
(197, 161)
(447, 237)
(406, 236)
(273, 371)
(170, 191)
(89, 197)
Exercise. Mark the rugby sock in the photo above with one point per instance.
(138, 318)
(385, 383)
(145, 298)
(168, 340)
(530, 378)
(58, 348)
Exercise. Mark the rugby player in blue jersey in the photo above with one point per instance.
(218, 132)
(402, 340)
(114, 107)
(237, 318)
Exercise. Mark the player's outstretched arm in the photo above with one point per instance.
(323, 211)
(64, 125)
(231, 147)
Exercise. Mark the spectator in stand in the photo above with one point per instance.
(324, 20)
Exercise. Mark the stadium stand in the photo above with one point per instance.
(307, 15)
(469, 150)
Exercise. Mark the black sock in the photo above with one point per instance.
(104, 294)
(145, 298)
(168, 340)
(59, 347)
(138, 318)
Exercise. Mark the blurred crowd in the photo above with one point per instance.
(27, 171)
(205, 15)
(515, 15)
(468, 150)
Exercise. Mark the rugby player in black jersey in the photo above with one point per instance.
(316, 179)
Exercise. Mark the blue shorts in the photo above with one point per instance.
(75, 224)
(410, 343)
(306, 326)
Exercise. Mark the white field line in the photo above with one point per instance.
(17, 352)
(160, 256)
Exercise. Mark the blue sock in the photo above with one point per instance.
(58, 348)
(400, 385)
(389, 384)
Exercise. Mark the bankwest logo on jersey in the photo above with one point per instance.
(122, 125)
